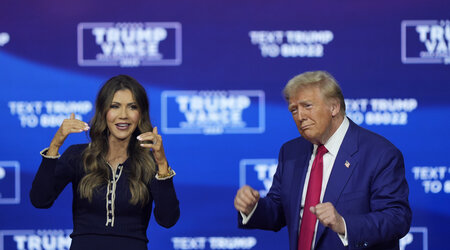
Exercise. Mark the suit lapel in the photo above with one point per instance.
(301, 167)
(346, 161)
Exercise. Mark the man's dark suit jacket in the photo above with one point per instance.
(371, 194)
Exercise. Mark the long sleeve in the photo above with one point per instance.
(50, 180)
(167, 210)
(390, 215)
(269, 214)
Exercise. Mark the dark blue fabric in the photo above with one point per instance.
(89, 218)
(371, 194)
(107, 242)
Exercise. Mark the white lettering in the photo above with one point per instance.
(271, 50)
(291, 43)
(423, 31)
(188, 243)
(22, 108)
(20, 241)
(99, 34)
(302, 50)
(265, 37)
(432, 186)
(34, 242)
(82, 107)
(406, 241)
(49, 242)
(42, 242)
(30, 121)
(447, 186)
(356, 104)
(232, 243)
(129, 43)
(4, 38)
(261, 169)
(107, 49)
(437, 33)
(429, 173)
(356, 117)
(386, 118)
(436, 39)
(212, 108)
(32, 114)
(322, 37)
(393, 104)
(2, 173)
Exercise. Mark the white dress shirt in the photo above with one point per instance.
(332, 145)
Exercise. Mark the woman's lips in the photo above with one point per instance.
(122, 126)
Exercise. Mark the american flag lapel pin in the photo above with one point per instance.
(347, 164)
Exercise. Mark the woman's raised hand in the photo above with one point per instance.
(156, 145)
(67, 127)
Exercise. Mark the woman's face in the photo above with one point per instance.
(123, 116)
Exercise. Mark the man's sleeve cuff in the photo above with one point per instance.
(344, 238)
(246, 218)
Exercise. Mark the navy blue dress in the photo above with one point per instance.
(109, 221)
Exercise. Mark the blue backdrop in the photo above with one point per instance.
(214, 71)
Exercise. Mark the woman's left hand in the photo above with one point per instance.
(157, 148)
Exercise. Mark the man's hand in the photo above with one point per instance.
(329, 217)
(246, 199)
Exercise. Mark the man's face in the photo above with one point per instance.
(313, 114)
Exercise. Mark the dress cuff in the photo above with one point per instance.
(167, 176)
(44, 154)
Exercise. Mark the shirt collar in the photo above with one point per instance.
(334, 143)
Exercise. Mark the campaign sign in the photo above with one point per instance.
(213, 112)
(35, 239)
(9, 182)
(426, 41)
(129, 44)
(257, 173)
(416, 239)
(291, 43)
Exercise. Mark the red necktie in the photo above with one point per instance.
(308, 222)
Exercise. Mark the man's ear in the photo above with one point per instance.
(335, 107)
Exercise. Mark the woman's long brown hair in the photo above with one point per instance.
(142, 165)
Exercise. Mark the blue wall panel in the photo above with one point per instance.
(391, 59)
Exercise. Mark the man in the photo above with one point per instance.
(351, 180)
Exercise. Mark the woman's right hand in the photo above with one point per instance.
(67, 127)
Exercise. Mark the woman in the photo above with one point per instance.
(116, 177)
